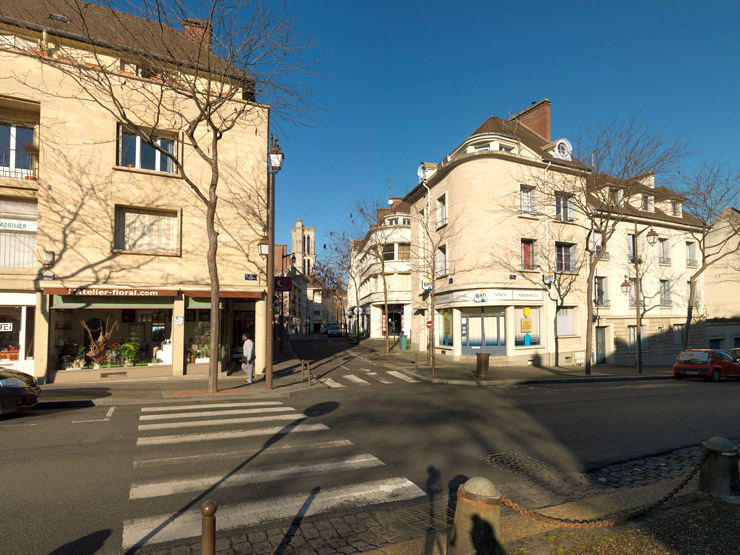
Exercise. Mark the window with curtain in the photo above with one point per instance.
(147, 231)
(404, 251)
(18, 224)
(527, 201)
(442, 260)
(632, 338)
(528, 254)
(565, 257)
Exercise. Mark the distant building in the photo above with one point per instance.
(385, 250)
(304, 247)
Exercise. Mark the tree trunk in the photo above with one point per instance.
(589, 317)
(689, 313)
(215, 293)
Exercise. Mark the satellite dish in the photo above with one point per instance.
(390, 202)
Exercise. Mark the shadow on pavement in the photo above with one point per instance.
(87, 544)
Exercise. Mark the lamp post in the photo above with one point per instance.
(275, 156)
(421, 172)
(652, 238)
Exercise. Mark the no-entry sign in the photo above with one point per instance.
(429, 324)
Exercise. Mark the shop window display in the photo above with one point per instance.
(10, 333)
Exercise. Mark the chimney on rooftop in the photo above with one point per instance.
(197, 30)
(536, 117)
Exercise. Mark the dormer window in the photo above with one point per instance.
(505, 148)
(482, 147)
(393, 221)
(616, 195)
(647, 203)
(676, 208)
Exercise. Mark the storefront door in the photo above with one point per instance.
(600, 345)
(483, 332)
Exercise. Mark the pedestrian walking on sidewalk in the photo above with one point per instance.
(248, 357)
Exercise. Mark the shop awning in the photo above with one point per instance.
(225, 294)
(75, 301)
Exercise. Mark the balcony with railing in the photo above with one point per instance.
(601, 302)
(691, 263)
(19, 163)
(604, 256)
(664, 260)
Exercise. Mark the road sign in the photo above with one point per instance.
(429, 324)
(250, 277)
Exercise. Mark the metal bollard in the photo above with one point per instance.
(308, 371)
(481, 365)
(476, 529)
(303, 369)
(208, 536)
(416, 362)
(719, 475)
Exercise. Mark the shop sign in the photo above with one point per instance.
(480, 296)
(527, 295)
(13, 224)
(283, 284)
(526, 324)
(6, 326)
(95, 292)
(464, 330)
(179, 320)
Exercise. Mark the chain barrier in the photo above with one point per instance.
(606, 522)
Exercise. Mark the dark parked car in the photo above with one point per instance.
(711, 364)
(333, 330)
(18, 391)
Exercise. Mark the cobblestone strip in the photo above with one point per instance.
(352, 533)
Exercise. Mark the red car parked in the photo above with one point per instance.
(710, 364)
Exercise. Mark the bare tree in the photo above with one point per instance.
(217, 78)
(619, 160)
(339, 260)
(711, 192)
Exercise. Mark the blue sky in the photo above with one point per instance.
(407, 81)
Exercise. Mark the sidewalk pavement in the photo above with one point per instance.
(687, 523)
(452, 372)
(287, 380)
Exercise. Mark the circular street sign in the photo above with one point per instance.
(429, 324)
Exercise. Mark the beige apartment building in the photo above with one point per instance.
(385, 250)
(96, 226)
(498, 257)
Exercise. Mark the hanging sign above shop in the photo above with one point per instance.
(6, 326)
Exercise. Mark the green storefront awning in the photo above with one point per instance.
(198, 302)
(77, 301)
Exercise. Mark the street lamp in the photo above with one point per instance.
(275, 157)
(422, 173)
(652, 238)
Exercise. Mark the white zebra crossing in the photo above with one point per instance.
(169, 487)
(336, 382)
(184, 520)
(167, 527)
(402, 376)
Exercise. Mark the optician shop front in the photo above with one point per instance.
(155, 332)
(505, 323)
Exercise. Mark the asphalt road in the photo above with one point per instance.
(100, 479)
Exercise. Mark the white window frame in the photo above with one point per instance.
(601, 300)
(572, 263)
(676, 208)
(442, 260)
(565, 207)
(665, 292)
(632, 338)
(664, 250)
(158, 156)
(12, 169)
(442, 210)
(527, 201)
(691, 261)
(678, 335)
